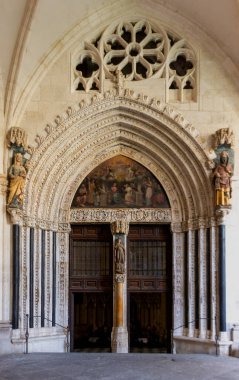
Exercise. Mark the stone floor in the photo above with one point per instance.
(104, 366)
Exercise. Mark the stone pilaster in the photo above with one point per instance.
(119, 336)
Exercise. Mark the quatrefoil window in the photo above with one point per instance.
(87, 67)
(181, 65)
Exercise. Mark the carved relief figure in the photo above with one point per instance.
(119, 253)
(222, 180)
(17, 176)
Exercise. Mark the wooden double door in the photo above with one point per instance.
(149, 295)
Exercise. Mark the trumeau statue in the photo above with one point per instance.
(119, 256)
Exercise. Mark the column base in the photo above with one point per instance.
(5, 337)
(223, 344)
(119, 340)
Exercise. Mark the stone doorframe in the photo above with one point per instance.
(159, 138)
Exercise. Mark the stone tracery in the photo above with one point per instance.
(138, 50)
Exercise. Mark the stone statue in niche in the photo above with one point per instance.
(119, 254)
(222, 180)
(17, 177)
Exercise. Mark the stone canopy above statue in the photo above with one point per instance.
(120, 182)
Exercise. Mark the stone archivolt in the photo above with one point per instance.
(147, 131)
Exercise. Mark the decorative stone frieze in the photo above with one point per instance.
(129, 215)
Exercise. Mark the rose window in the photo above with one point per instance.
(135, 49)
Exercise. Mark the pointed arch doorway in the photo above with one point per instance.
(158, 138)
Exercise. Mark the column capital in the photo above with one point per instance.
(119, 227)
(221, 214)
(119, 277)
(202, 222)
(16, 215)
(177, 227)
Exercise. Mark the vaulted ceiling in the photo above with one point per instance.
(29, 29)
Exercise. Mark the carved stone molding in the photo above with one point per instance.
(112, 215)
(3, 184)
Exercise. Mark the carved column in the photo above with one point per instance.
(178, 279)
(191, 278)
(119, 336)
(5, 261)
(16, 216)
(202, 280)
(213, 274)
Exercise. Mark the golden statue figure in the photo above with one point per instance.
(222, 180)
(17, 176)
